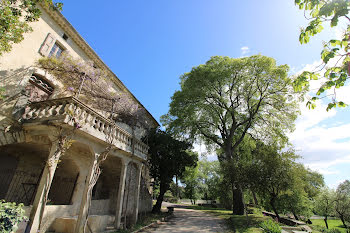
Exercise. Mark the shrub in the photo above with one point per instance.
(10, 215)
(271, 226)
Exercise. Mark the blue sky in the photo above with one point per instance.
(149, 44)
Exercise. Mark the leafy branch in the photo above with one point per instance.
(335, 76)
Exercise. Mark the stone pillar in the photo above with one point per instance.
(86, 198)
(37, 212)
(121, 191)
(137, 194)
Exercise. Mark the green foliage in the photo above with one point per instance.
(271, 226)
(324, 202)
(168, 158)
(192, 183)
(235, 96)
(15, 16)
(342, 202)
(320, 12)
(2, 92)
(10, 215)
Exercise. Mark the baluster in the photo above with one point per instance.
(88, 118)
(102, 126)
(42, 111)
(30, 113)
(69, 110)
(92, 122)
(49, 110)
(97, 124)
(56, 109)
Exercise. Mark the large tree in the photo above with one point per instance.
(227, 98)
(15, 16)
(321, 12)
(168, 158)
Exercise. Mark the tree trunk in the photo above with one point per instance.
(238, 202)
(177, 188)
(158, 205)
(325, 221)
(256, 203)
(343, 221)
(272, 203)
(295, 216)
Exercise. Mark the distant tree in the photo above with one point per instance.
(296, 199)
(319, 12)
(271, 173)
(211, 177)
(342, 202)
(168, 158)
(226, 98)
(313, 182)
(324, 204)
(15, 16)
(193, 185)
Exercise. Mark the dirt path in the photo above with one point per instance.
(188, 220)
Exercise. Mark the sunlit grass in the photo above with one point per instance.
(332, 223)
(236, 223)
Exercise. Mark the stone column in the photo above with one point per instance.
(86, 198)
(137, 194)
(37, 212)
(121, 191)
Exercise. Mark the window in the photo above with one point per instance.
(56, 51)
(51, 47)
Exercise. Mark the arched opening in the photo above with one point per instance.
(104, 194)
(21, 166)
(64, 182)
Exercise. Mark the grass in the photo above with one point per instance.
(332, 223)
(237, 223)
(144, 221)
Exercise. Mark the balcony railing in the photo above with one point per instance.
(73, 112)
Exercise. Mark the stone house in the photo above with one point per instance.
(34, 121)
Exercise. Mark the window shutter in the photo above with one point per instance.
(47, 45)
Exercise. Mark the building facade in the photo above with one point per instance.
(54, 180)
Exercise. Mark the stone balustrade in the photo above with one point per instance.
(73, 112)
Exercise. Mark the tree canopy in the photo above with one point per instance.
(228, 98)
(15, 16)
(168, 158)
(320, 12)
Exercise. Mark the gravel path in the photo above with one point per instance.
(188, 220)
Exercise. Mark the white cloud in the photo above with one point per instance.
(245, 50)
(320, 137)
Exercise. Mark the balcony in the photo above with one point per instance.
(71, 112)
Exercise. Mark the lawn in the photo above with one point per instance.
(332, 223)
(237, 223)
